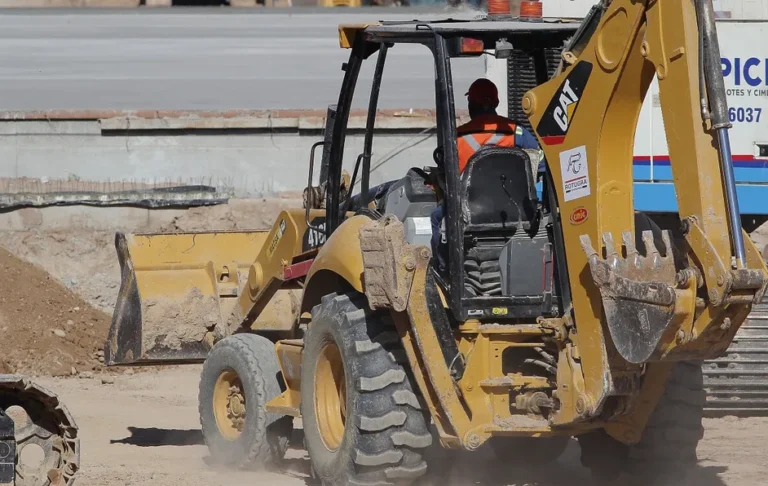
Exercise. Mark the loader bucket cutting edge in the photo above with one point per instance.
(175, 290)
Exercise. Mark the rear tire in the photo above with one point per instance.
(667, 450)
(363, 423)
(240, 375)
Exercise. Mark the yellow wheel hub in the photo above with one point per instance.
(229, 404)
(330, 397)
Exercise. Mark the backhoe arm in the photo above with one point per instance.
(657, 304)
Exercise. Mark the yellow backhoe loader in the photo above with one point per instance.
(562, 311)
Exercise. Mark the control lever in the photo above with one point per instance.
(503, 178)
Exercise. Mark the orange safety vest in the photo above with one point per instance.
(484, 130)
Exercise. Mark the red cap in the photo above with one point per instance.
(483, 92)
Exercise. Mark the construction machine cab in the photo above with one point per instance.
(494, 220)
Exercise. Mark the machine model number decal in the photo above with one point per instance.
(579, 215)
(575, 173)
(500, 311)
(276, 239)
(312, 237)
(558, 117)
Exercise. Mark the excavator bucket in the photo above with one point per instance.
(176, 292)
(638, 292)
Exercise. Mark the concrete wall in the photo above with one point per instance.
(248, 164)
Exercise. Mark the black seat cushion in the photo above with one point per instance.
(500, 190)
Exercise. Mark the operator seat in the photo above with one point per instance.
(500, 191)
(507, 248)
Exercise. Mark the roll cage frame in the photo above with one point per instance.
(442, 39)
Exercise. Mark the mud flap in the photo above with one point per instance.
(638, 292)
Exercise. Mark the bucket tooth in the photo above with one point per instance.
(650, 245)
(667, 244)
(610, 248)
(634, 259)
(586, 245)
(612, 256)
(629, 243)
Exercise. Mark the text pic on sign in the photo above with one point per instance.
(575, 172)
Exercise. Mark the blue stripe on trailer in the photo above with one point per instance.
(747, 169)
(654, 192)
(659, 197)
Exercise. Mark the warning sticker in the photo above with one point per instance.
(573, 167)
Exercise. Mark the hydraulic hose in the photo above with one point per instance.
(718, 109)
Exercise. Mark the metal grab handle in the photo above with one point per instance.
(310, 192)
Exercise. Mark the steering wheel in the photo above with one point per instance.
(437, 156)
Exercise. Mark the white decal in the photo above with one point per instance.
(567, 98)
(316, 238)
(573, 167)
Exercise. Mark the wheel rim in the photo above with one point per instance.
(330, 397)
(229, 404)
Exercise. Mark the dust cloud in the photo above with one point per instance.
(124, 444)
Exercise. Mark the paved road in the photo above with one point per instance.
(198, 59)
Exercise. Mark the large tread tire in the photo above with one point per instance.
(264, 436)
(385, 431)
(667, 450)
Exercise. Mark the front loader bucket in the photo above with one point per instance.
(176, 291)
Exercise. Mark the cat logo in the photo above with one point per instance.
(568, 100)
(559, 115)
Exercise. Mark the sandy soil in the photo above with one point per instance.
(143, 429)
(45, 328)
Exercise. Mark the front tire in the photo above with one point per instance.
(363, 423)
(240, 375)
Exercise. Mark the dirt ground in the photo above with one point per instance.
(143, 429)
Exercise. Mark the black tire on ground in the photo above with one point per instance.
(528, 451)
(667, 450)
(384, 430)
(263, 438)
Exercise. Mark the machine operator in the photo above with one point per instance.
(485, 128)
